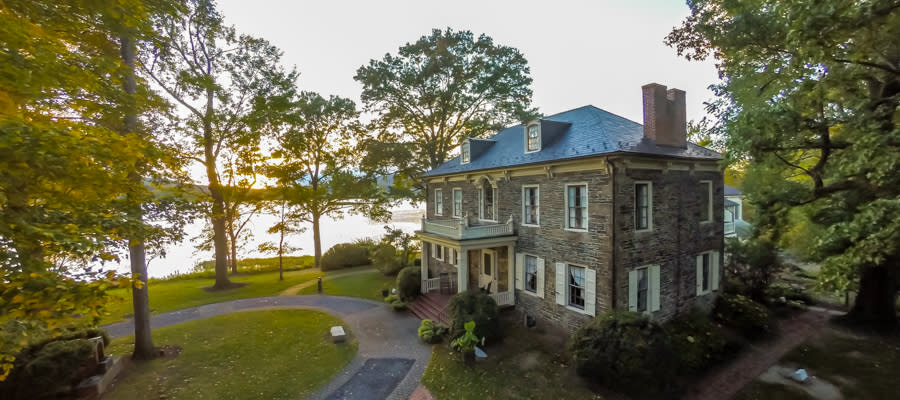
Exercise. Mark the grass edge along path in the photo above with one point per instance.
(245, 355)
(362, 284)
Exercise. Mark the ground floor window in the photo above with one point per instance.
(531, 275)
(643, 289)
(438, 252)
(707, 272)
(576, 286)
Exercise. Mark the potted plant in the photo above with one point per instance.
(466, 343)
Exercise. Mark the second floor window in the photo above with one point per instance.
(438, 202)
(642, 204)
(576, 198)
(534, 138)
(466, 154)
(488, 202)
(457, 203)
(531, 203)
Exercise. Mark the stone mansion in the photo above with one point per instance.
(574, 214)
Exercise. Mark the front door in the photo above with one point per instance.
(488, 271)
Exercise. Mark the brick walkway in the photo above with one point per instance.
(730, 379)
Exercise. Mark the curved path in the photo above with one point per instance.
(390, 360)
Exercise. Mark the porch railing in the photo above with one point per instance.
(431, 284)
(503, 298)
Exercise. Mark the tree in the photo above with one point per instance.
(436, 92)
(810, 97)
(286, 225)
(318, 168)
(227, 84)
(242, 203)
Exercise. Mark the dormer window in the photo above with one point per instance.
(466, 153)
(533, 136)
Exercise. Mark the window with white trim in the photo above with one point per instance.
(706, 203)
(534, 138)
(644, 289)
(457, 203)
(643, 206)
(452, 256)
(487, 201)
(577, 207)
(531, 203)
(531, 274)
(707, 272)
(576, 286)
(438, 202)
(438, 251)
(465, 153)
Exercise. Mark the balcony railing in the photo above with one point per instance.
(461, 229)
(503, 298)
(431, 284)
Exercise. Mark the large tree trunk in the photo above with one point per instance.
(143, 339)
(215, 190)
(875, 302)
(317, 240)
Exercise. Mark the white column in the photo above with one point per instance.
(511, 273)
(462, 270)
(425, 254)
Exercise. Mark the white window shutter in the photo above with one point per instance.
(520, 271)
(632, 290)
(714, 259)
(561, 283)
(654, 288)
(540, 277)
(700, 275)
(590, 291)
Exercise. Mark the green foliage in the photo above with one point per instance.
(344, 255)
(386, 259)
(391, 298)
(468, 340)
(626, 351)
(698, 342)
(477, 307)
(739, 312)
(396, 303)
(752, 266)
(430, 332)
(809, 100)
(207, 269)
(409, 282)
(432, 94)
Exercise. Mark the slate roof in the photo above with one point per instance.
(592, 132)
(732, 191)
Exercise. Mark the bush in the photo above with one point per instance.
(626, 351)
(44, 366)
(478, 307)
(386, 259)
(741, 313)
(395, 302)
(344, 255)
(752, 265)
(790, 294)
(698, 342)
(430, 332)
(409, 282)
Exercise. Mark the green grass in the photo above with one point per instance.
(273, 354)
(521, 367)
(177, 294)
(862, 368)
(367, 286)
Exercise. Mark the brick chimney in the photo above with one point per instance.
(665, 119)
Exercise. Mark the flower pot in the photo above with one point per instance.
(469, 358)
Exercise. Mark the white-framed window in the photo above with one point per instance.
(438, 201)
(643, 206)
(457, 203)
(531, 273)
(438, 251)
(577, 207)
(465, 153)
(487, 202)
(533, 136)
(643, 289)
(706, 203)
(452, 256)
(576, 286)
(531, 203)
(707, 272)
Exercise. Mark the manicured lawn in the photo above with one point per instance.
(272, 354)
(178, 294)
(521, 367)
(862, 368)
(367, 286)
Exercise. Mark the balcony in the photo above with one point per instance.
(462, 229)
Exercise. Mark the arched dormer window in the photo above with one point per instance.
(532, 138)
(465, 153)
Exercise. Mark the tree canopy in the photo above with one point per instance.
(809, 100)
(435, 92)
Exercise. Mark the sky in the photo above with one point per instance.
(580, 52)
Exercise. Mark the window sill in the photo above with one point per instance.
(576, 230)
(530, 293)
(530, 225)
(532, 151)
(576, 309)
